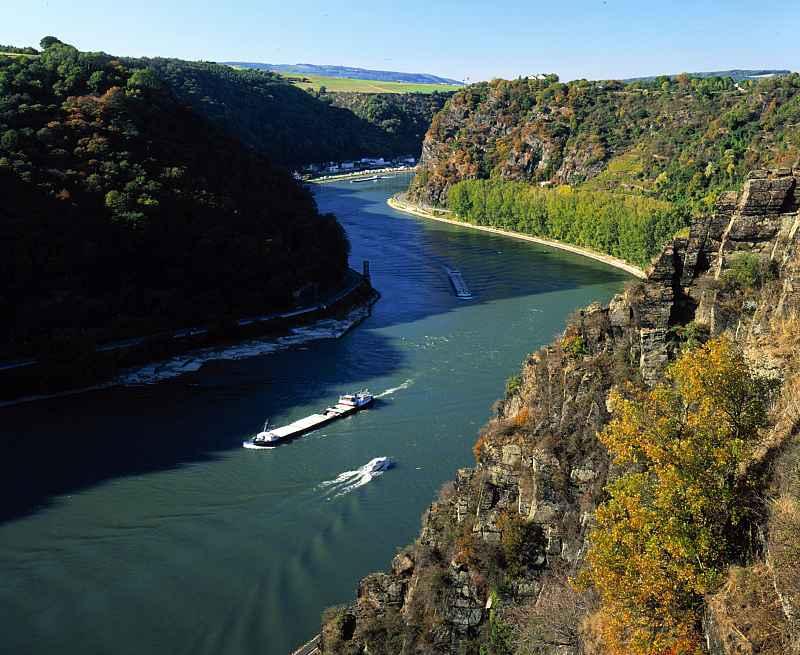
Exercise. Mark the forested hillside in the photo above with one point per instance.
(292, 126)
(125, 211)
(678, 140)
(404, 117)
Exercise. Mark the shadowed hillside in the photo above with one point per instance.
(124, 211)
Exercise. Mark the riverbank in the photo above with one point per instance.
(150, 360)
(395, 202)
(119, 482)
(359, 174)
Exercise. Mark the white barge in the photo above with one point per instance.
(459, 286)
(348, 404)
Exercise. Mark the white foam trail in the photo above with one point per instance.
(251, 446)
(189, 362)
(389, 392)
(349, 481)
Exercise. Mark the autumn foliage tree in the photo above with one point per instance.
(673, 520)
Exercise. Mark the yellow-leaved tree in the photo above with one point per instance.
(673, 519)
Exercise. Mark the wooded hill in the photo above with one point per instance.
(125, 211)
(295, 127)
(679, 140)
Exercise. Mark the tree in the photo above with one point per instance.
(9, 140)
(673, 520)
(144, 78)
(47, 41)
(96, 80)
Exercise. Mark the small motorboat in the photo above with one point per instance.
(379, 464)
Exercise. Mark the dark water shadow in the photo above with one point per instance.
(65, 445)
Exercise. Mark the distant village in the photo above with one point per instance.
(363, 165)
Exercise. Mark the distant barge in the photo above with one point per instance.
(459, 286)
(348, 404)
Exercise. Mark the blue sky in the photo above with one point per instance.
(467, 39)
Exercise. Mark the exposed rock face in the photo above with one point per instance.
(553, 134)
(539, 461)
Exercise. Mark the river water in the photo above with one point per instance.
(132, 521)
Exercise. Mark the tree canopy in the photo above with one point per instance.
(124, 211)
(292, 126)
(627, 226)
(677, 513)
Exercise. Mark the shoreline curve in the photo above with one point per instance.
(401, 205)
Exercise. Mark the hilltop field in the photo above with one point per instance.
(353, 85)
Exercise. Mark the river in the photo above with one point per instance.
(132, 521)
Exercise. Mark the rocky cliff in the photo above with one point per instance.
(540, 470)
(677, 139)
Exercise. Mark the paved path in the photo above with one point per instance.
(408, 208)
(311, 648)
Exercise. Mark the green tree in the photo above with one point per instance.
(48, 41)
(9, 140)
(96, 81)
(144, 78)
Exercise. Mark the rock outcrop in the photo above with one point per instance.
(541, 468)
(548, 133)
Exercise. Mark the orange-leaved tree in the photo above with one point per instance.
(673, 518)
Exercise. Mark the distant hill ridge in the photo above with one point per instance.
(347, 71)
(737, 74)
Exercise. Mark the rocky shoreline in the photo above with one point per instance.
(148, 366)
(539, 463)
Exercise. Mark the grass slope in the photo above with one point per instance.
(365, 86)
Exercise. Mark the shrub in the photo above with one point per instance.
(499, 633)
(747, 271)
(381, 634)
(574, 346)
(692, 334)
(521, 541)
(477, 448)
(550, 620)
(513, 384)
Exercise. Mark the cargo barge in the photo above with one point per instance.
(347, 405)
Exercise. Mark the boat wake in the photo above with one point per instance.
(251, 446)
(389, 392)
(349, 481)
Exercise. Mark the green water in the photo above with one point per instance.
(133, 522)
